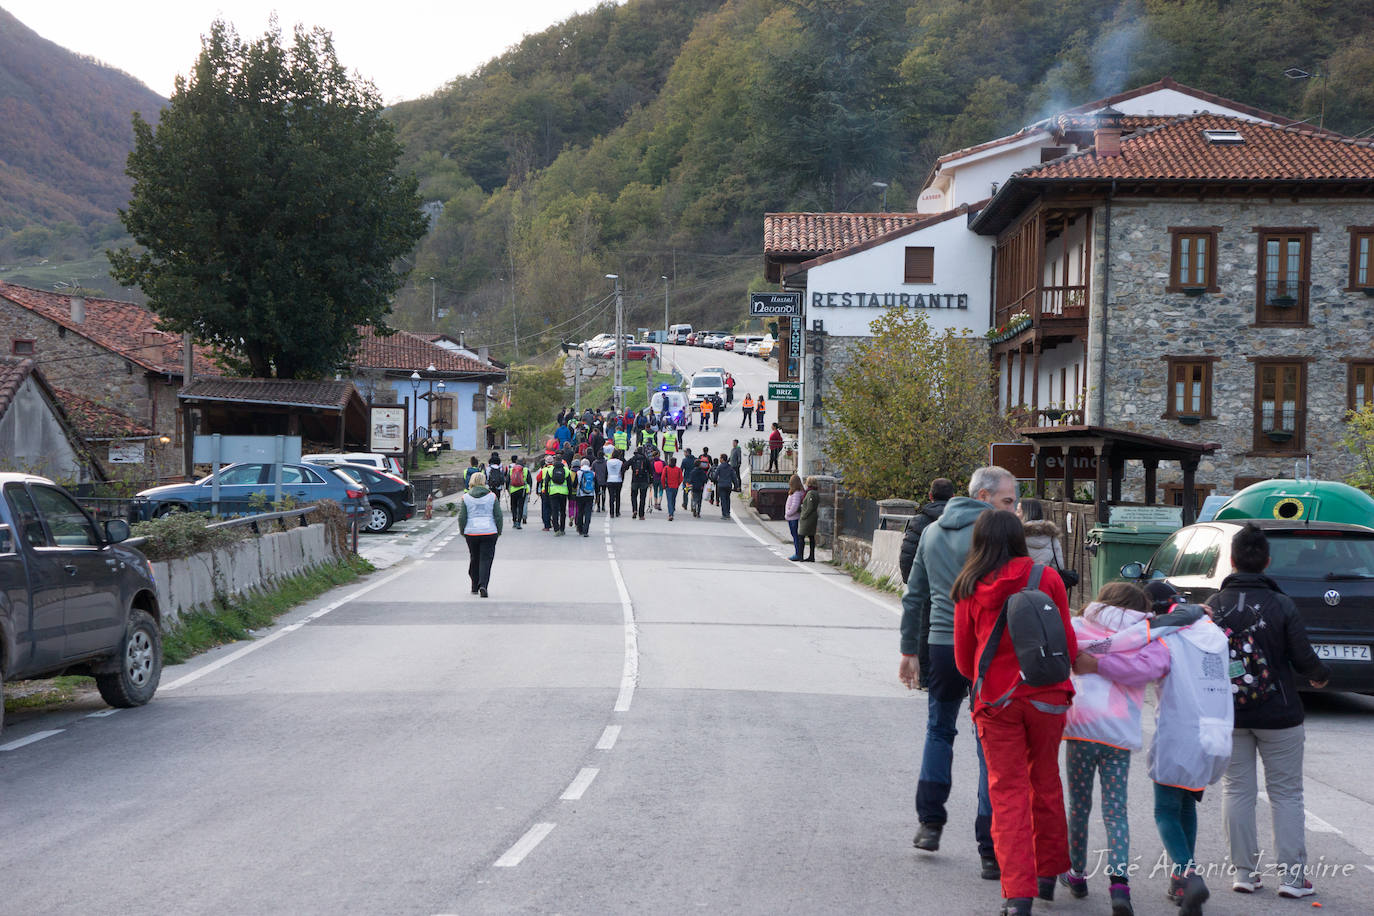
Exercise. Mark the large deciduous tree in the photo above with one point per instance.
(915, 405)
(267, 205)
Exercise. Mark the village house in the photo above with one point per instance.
(36, 435)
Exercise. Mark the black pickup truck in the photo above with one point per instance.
(73, 599)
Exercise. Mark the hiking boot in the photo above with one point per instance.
(1044, 887)
(990, 871)
(1195, 894)
(1016, 906)
(1077, 884)
(1121, 899)
(1297, 890)
(928, 837)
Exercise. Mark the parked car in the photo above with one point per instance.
(73, 598)
(244, 487)
(705, 384)
(728, 342)
(1327, 569)
(712, 370)
(390, 463)
(390, 498)
(766, 348)
(641, 352)
(717, 341)
(679, 333)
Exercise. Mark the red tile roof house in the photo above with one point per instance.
(382, 369)
(36, 435)
(106, 352)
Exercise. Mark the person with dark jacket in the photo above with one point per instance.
(599, 474)
(941, 492)
(697, 476)
(726, 481)
(809, 517)
(1253, 611)
(643, 469)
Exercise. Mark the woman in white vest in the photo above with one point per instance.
(479, 519)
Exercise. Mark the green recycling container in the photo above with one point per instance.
(1117, 545)
(1301, 500)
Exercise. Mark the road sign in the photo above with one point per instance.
(1019, 458)
(775, 304)
(622, 387)
(784, 391)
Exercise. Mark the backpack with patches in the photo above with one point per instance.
(1252, 677)
(1032, 620)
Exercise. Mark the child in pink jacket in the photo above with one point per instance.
(1116, 660)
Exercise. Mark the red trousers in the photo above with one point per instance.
(1029, 829)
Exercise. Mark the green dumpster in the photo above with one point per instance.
(1301, 500)
(1113, 546)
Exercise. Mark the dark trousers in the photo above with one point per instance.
(600, 496)
(517, 507)
(748, 415)
(559, 509)
(723, 495)
(546, 510)
(773, 458)
(696, 500)
(613, 488)
(638, 495)
(481, 551)
(729, 395)
(944, 700)
(796, 538)
(584, 514)
(672, 501)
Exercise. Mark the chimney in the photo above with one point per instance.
(153, 342)
(484, 354)
(1107, 135)
(78, 310)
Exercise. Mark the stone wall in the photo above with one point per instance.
(1146, 324)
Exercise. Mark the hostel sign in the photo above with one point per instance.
(1019, 458)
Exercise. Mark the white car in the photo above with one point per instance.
(705, 384)
(389, 463)
(712, 370)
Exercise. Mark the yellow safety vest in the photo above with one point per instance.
(622, 439)
(670, 441)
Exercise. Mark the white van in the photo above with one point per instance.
(677, 333)
(671, 401)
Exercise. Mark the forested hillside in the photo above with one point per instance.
(648, 139)
(66, 134)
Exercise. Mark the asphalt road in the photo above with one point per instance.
(662, 718)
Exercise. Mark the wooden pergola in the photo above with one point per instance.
(1113, 448)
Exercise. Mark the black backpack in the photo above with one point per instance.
(1032, 620)
(560, 474)
(496, 478)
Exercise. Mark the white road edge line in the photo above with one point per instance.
(525, 845)
(833, 580)
(24, 742)
(630, 674)
(608, 738)
(1314, 823)
(580, 784)
(273, 637)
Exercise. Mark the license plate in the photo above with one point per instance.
(1342, 653)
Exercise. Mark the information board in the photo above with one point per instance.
(784, 391)
(774, 304)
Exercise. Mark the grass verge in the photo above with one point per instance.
(864, 577)
(233, 619)
(48, 692)
(599, 393)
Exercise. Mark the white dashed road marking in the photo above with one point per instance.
(581, 782)
(608, 738)
(24, 742)
(524, 846)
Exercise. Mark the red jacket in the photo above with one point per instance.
(974, 619)
(775, 439)
(672, 477)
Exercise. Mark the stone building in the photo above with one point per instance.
(1222, 286)
(109, 353)
(36, 435)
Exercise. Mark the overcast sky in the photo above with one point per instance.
(408, 48)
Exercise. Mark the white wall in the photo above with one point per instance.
(973, 181)
(963, 263)
(1173, 102)
(32, 439)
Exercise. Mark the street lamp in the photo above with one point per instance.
(415, 405)
(617, 386)
(883, 186)
(433, 301)
(664, 278)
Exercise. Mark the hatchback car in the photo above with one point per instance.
(1325, 567)
(641, 351)
(245, 488)
(390, 498)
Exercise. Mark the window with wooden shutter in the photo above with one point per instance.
(1280, 406)
(1282, 281)
(920, 265)
(443, 411)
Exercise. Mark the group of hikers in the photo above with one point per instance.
(1226, 676)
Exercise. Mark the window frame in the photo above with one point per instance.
(1207, 411)
(1173, 493)
(31, 341)
(1356, 234)
(909, 275)
(1176, 236)
(1277, 316)
(1262, 444)
(1352, 367)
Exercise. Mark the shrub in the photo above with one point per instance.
(181, 534)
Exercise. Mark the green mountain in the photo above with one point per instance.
(67, 134)
(647, 139)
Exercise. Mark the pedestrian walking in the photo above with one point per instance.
(758, 412)
(729, 388)
(672, 482)
(808, 517)
(746, 410)
(791, 513)
(939, 558)
(1044, 539)
(707, 408)
(642, 471)
(474, 467)
(1269, 648)
(479, 520)
(559, 485)
(518, 486)
(541, 486)
(697, 480)
(658, 481)
(496, 475)
(1019, 724)
(774, 447)
(737, 462)
(615, 481)
(940, 493)
(599, 472)
(1102, 728)
(586, 495)
(726, 481)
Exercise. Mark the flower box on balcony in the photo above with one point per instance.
(1053, 414)
(1367, 290)
(1278, 435)
(1283, 302)
(1189, 419)
(1193, 290)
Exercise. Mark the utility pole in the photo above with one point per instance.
(619, 342)
(665, 309)
(433, 302)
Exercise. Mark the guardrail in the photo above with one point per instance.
(255, 520)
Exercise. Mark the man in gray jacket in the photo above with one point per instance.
(939, 558)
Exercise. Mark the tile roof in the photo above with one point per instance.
(412, 352)
(98, 421)
(1179, 150)
(820, 233)
(13, 372)
(1169, 82)
(916, 225)
(125, 328)
(329, 394)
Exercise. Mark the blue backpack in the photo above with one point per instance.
(586, 483)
